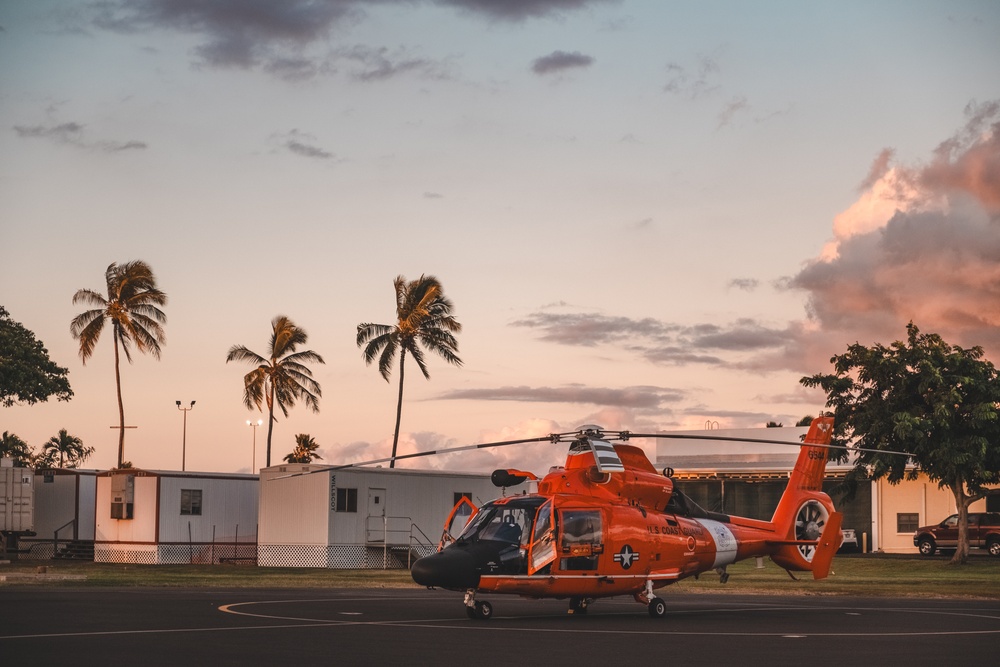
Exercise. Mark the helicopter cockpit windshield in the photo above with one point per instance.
(509, 522)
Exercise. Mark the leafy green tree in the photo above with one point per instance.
(68, 450)
(132, 306)
(13, 447)
(27, 375)
(805, 421)
(423, 318)
(280, 378)
(305, 450)
(934, 401)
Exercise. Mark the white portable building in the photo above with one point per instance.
(315, 516)
(65, 501)
(160, 517)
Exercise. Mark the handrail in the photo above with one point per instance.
(413, 538)
(55, 534)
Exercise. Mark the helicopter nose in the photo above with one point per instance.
(451, 568)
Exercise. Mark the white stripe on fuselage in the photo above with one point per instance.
(725, 541)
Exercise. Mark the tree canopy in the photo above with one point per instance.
(936, 402)
(132, 306)
(63, 451)
(13, 447)
(282, 377)
(27, 374)
(423, 320)
(305, 450)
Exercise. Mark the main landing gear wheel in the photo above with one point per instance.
(578, 605)
(482, 611)
(657, 608)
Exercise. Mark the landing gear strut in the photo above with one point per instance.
(477, 609)
(578, 605)
(656, 607)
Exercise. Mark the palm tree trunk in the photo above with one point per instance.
(121, 405)
(270, 422)
(399, 407)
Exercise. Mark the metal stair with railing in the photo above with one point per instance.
(75, 550)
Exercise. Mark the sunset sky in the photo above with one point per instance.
(648, 214)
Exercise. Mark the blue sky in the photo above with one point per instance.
(649, 215)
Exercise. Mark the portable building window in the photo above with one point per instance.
(191, 502)
(347, 500)
(907, 522)
(459, 495)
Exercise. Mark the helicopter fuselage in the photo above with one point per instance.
(608, 524)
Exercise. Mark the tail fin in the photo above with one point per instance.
(805, 519)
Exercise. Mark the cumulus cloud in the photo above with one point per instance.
(731, 108)
(559, 61)
(303, 144)
(72, 134)
(519, 10)
(745, 284)
(380, 64)
(292, 39)
(692, 81)
(921, 243)
(661, 342)
(640, 397)
(236, 33)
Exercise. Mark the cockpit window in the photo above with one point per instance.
(509, 523)
(582, 540)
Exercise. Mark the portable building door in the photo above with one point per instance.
(375, 521)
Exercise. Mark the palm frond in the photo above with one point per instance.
(387, 357)
(242, 353)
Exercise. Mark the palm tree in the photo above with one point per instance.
(280, 378)
(13, 447)
(132, 307)
(69, 448)
(423, 315)
(305, 450)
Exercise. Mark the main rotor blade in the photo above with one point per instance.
(590, 433)
(628, 434)
(552, 437)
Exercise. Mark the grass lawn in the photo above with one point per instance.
(868, 575)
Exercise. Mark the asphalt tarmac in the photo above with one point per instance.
(44, 625)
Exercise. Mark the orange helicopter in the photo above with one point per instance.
(608, 524)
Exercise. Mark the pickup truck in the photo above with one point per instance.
(984, 533)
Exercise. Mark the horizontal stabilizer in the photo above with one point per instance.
(829, 542)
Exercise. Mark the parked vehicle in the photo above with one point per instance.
(849, 540)
(984, 533)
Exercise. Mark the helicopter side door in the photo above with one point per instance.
(542, 550)
(457, 520)
(581, 538)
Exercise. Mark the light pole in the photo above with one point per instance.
(253, 466)
(184, 441)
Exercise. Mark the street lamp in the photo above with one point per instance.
(184, 441)
(253, 466)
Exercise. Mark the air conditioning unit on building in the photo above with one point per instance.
(122, 496)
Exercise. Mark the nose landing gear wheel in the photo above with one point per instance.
(657, 608)
(482, 611)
